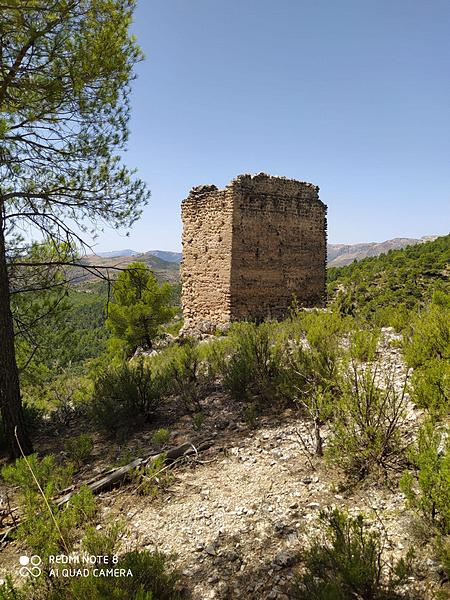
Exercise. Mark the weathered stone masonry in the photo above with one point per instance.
(250, 248)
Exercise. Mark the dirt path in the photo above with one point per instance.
(238, 523)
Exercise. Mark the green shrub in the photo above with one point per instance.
(45, 527)
(197, 420)
(46, 535)
(184, 372)
(311, 379)
(71, 518)
(104, 542)
(124, 458)
(444, 555)
(318, 408)
(188, 380)
(9, 591)
(161, 437)
(397, 316)
(214, 354)
(363, 344)
(311, 350)
(78, 449)
(318, 324)
(253, 368)
(427, 487)
(154, 477)
(367, 428)
(346, 563)
(428, 337)
(306, 369)
(52, 477)
(151, 579)
(68, 397)
(125, 395)
(427, 349)
(323, 329)
(430, 386)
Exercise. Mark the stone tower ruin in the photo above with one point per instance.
(250, 249)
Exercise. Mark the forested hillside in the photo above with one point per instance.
(384, 288)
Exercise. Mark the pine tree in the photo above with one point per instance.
(65, 73)
(139, 307)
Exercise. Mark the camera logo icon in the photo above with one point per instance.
(30, 565)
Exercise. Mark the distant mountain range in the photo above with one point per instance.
(117, 253)
(162, 254)
(167, 263)
(163, 269)
(173, 257)
(340, 255)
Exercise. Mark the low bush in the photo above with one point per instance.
(9, 591)
(186, 375)
(367, 428)
(427, 485)
(125, 395)
(430, 387)
(103, 542)
(253, 369)
(311, 350)
(197, 420)
(306, 369)
(444, 555)
(45, 527)
(250, 415)
(318, 408)
(323, 329)
(161, 437)
(363, 344)
(79, 448)
(187, 370)
(32, 474)
(311, 379)
(398, 316)
(68, 397)
(428, 337)
(153, 478)
(346, 562)
(151, 579)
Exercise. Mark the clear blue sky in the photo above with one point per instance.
(352, 95)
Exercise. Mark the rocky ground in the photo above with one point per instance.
(238, 517)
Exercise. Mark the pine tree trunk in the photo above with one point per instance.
(10, 401)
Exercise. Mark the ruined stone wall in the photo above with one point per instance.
(250, 248)
(279, 246)
(206, 266)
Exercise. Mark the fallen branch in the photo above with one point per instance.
(120, 474)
